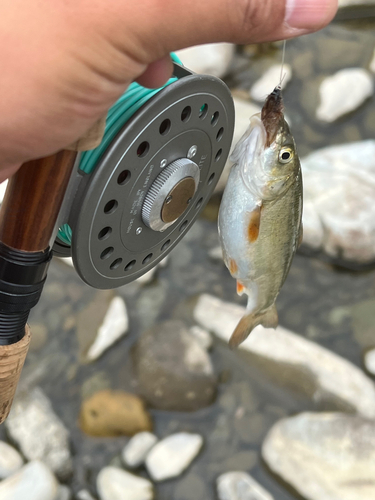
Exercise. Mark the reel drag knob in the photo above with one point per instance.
(170, 194)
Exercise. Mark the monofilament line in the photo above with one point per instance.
(282, 64)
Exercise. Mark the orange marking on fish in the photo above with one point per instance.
(233, 268)
(240, 288)
(253, 226)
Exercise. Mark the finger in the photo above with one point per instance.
(157, 73)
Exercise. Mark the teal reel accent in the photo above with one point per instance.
(131, 200)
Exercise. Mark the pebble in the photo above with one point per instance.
(292, 361)
(34, 481)
(173, 371)
(39, 433)
(202, 336)
(270, 79)
(324, 456)
(149, 276)
(84, 495)
(63, 493)
(335, 219)
(369, 361)
(115, 325)
(136, 450)
(171, 456)
(208, 59)
(244, 110)
(238, 485)
(343, 92)
(113, 413)
(10, 460)
(117, 484)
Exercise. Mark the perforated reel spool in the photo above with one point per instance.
(152, 182)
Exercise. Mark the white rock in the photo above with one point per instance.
(355, 3)
(209, 59)
(84, 495)
(343, 92)
(136, 450)
(339, 208)
(244, 110)
(10, 460)
(3, 187)
(240, 486)
(117, 484)
(33, 482)
(39, 432)
(369, 360)
(270, 79)
(324, 456)
(63, 493)
(202, 336)
(115, 325)
(171, 456)
(323, 375)
(149, 276)
(372, 63)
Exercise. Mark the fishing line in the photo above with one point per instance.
(282, 65)
(118, 115)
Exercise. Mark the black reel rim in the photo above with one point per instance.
(111, 246)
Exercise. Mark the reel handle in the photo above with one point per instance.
(27, 218)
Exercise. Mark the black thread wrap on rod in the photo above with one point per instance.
(22, 277)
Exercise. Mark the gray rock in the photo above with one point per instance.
(202, 336)
(327, 456)
(369, 360)
(150, 275)
(171, 456)
(136, 450)
(240, 486)
(117, 484)
(33, 482)
(84, 495)
(10, 460)
(335, 99)
(63, 493)
(39, 432)
(191, 487)
(333, 177)
(173, 371)
(208, 59)
(292, 361)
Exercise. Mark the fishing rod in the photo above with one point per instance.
(117, 202)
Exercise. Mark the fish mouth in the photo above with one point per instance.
(272, 115)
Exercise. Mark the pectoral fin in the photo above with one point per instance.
(247, 323)
(254, 224)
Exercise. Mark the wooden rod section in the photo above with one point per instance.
(33, 200)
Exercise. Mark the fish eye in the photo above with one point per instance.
(285, 155)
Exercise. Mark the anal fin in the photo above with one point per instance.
(269, 319)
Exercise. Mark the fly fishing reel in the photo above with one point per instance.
(150, 179)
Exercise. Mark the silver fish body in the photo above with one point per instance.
(260, 215)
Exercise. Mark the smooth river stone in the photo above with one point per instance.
(343, 92)
(339, 208)
(238, 485)
(10, 460)
(208, 59)
(324, 456)
(136, 450)
(171, 456)
(292, 361)
(117, 484)
(34, 481)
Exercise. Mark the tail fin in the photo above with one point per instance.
(247, 323)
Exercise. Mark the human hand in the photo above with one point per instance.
(64, 63)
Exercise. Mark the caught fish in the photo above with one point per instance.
(260, 214)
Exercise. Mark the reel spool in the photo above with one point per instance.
(151, 182)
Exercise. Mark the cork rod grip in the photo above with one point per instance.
(27, 217)
(12, 358)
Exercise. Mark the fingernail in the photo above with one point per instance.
(309, 14)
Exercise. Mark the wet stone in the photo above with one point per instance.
(174, 372)
(84, 495)
(114, 413)
(324, 456)
(172, 455)
(136, 450)
(191, 487)
(208, 59)
(117, 484)
(369, 361)
(63, 493)
(240, 486)
(10, 460)
(34, 481)
(39, 432)
(202, 336)
(363, 322)
(244, 460)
